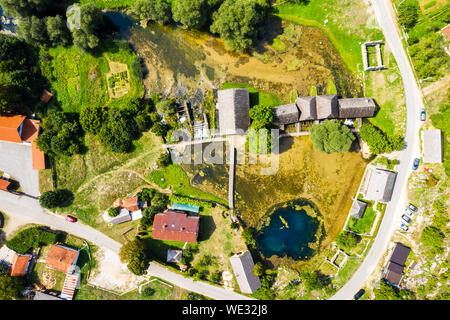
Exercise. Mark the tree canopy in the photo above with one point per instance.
(378, 141)
(347, 240)
(155, 10)
(408, 13)
(11, 287)
(239, 22)
(191, 13)
(331, 136)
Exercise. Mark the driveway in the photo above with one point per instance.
(16, 160)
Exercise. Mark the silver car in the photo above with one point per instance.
(409, 212)
(404, 226)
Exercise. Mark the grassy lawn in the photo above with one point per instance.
(363, 225)
(40, 270)
(79, 78)
(347, 26)
(256, 97)
(391, 116)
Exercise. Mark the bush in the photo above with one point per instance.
(408, 13)
(113, 212)
(347, 240)
(147, 292)
(163, 160)
(249, 236)
(57, 198)
(138, 264)
(432, 237)
(130, 249)
(31, 238)
(146, 194)
(378, 141)
(314, 281)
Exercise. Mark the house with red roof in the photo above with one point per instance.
(62, 258)
(20, 264)
(176, 226)
(18, 129)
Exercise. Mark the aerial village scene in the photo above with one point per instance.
(224, 150)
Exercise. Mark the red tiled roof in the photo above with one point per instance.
(30, 130)
(175, 226)
(4, 184)
(38, 157)
(61, 258)
(9, 128)
(19, 264)
(46, 96)
(446, 32)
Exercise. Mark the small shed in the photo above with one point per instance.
(286, 114)
(432, 146)
(174, 255)
(122, 217)
(46, 96)
(185, 207)
(357, 209)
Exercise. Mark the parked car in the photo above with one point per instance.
(71, 219)
(423, 115)
(416, 163)
(409, 212)
(359, 294)
(406, 218)
(404, 226)
(412, 207)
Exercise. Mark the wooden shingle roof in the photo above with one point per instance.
(286, 114)
(243, 265)
(327, 106)
(356, 108)
(234, 107)
(307, 106)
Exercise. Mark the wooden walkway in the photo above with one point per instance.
(232, 175)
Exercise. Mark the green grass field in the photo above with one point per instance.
(256, 97)
(363, 225)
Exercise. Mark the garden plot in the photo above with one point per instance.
(118, 79)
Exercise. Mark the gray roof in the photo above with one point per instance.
(393, 273)
(356, 108)
(400, 254)
(327, 106)
(44, 296)
(358, 208)
(381, 184)
(243, 270)
(286, 114)
(234, 107)
(307, 106)
(432, 146)
(124, 216)
(174, 255)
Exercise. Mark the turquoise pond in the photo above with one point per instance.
(288, 234)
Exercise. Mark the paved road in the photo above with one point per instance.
(29, 209)
(394, 209)
(16, 160)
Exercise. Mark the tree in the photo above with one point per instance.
(347, 240)
(92, 118)
(158, 11)
(33, 30)
(314, 281)
(160, 201)
(239, 22)
(57, 198)
(429, 57)
(408, 13)
(138, 263)
(163, 160)
(191, 13)
(11, 287)
(119, 131)
(249, 236)
(432, 237)
(262, 115)
(27, 8)
(131, 248)
(166, 107)
(159, 129)
(58, 34)
(92, 24)
(331, 136)
(258, 269)
(378, 141)
(386, 292)
(11, 100)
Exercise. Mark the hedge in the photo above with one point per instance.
(31, 238)
(187, 200)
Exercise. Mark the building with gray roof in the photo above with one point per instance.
(356, 108)
(357, 209)
(432, 146)
(286, 114)
(393, 273)
(234, 107)
(123, 216)
(380, 185)
(327, 106)
(307, 106)
(243, 265)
